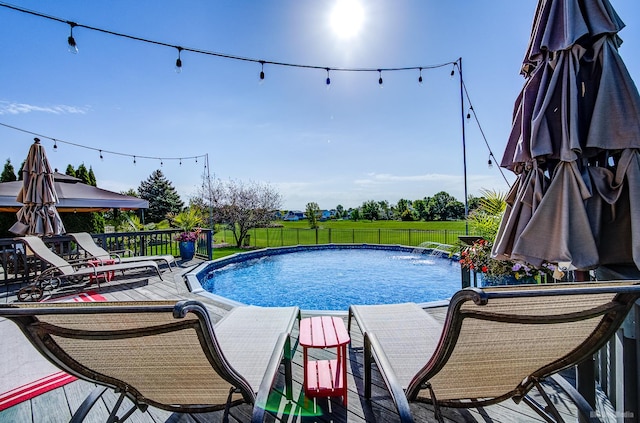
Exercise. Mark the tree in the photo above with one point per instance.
(7, 218)
(313, 214)
(442, 206)
(485, 219)
(8, 173)
(241, 206)
(92, 222)
(385, 210)
(340, 213)
(370, 210)
(70, 171)
(161, 195)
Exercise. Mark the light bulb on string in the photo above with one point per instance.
(181, 161)
(328, 81)
(380, 78)
(101, 156)
(161, 163)
(490, 162)
(179, 61)
(134, 160)
(55, 146)
(469, 113)
(72, 46)
(196, 160)
(261, 71)
(453, 70)
(420, 77)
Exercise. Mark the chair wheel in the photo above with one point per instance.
(30, 293)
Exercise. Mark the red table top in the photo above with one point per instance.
(323, 332)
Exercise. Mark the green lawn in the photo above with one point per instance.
(457, 225)
(346, 231)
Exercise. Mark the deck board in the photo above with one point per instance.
(57, 405)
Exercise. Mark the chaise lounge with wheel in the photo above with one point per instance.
(61, 270)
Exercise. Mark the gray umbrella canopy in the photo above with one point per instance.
(38, 215)
(574, 144)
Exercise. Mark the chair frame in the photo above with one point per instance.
(73, 271)
(41, 336)
(86, 242)
(614, 313)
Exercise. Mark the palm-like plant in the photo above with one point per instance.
(485, 220)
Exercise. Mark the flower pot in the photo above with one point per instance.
(187, 249)
(486, 280)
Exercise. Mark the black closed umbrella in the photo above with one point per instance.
(574, 144)
(38, 216)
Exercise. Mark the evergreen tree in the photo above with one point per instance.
(70, 171)
(7, 218)
(83, 174)
(20, 169)
(8, 173)
(161, 195)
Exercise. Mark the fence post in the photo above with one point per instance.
(330, 236)
(316, 236)
(379, 238)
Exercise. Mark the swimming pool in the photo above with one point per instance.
(332, 277)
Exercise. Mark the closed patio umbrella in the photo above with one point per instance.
(574, 144)
(38, 215)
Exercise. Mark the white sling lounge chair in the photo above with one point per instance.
(165, 354)
(85, 241)
(61, 269)
(496, 343)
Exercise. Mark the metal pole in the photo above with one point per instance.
(464, 150)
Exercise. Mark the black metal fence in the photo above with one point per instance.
(280, 237)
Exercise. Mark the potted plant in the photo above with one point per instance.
(188, 221)
(477, 257)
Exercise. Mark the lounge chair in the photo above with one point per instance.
(85, 241)
(496, 343)
(61, 269)
(165, 354)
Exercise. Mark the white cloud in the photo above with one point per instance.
(7, 108)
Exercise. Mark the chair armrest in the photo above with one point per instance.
(395, 389)
(269, 378)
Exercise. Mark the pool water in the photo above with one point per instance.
(333, 279)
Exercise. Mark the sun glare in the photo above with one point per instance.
(347, 18)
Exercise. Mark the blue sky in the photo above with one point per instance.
(344, 145)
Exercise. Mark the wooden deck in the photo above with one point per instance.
(58, 405)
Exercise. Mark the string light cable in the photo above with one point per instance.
(484, 138)
(74, 46)
(102, 152)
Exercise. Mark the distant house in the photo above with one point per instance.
(326, 215)
(294, 215)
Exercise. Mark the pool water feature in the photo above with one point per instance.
(331, 277)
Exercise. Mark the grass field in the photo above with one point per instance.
(346, 231)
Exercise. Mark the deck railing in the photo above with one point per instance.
(19, 265)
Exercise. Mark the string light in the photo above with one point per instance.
(134, 160)
(490, 162)
(453, 69)
(180, 161)
(55, 146)
(469, 112)
(420, 77)
(179, 61)
(73, 47)
(328, 78)
(101, 157)
(380, 77)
